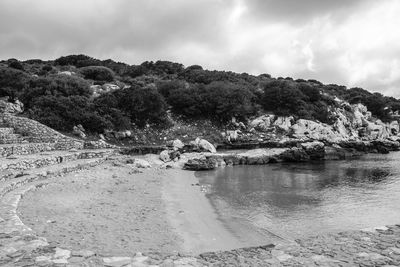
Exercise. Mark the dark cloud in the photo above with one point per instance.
(108, 25)
(350, 42)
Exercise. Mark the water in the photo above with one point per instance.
(296, 200)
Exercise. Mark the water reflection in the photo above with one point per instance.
(308, 198)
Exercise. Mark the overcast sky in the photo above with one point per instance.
(349, 42)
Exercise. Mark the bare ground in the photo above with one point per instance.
(111, 209)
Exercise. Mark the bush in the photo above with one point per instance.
(63, 113)
(142, 104)
(47, 68)
(56, 85)
(217, 100)
(283, 98)
(106, 105)
(15, 64)
(77, 60)
(97, 73)
(12, 81)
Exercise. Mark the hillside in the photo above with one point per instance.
(158, 101)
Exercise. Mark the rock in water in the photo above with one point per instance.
(314, 149)
(200, 164)
(295, 154)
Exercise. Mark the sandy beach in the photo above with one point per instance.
(117, 209)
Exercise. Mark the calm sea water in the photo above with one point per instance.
(297, 200)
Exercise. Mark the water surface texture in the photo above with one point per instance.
(297, 200)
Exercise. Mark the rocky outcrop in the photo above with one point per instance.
(352, 123)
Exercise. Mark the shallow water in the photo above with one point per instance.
(295, 200)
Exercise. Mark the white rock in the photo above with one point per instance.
(263, 123)
(283, 123)
(207, 146)
(177, 144)
(164, 156)
(141, 163)
(62, 254)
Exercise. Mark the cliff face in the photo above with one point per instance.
(352, 123)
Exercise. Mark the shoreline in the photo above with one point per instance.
(193, 217)
(304, 252)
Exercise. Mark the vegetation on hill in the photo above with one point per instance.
(59, 93)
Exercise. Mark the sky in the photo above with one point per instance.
(346, 42)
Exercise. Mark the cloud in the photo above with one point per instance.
(350, 42)
(295, 11)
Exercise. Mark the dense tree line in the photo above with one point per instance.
(152, 88)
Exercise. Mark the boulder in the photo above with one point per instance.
(174, 155)
(295, 154)
(314, 149)
(394, 127)
(283, 123)
(108, 87)
(260, 156)
(141, 163)
(15, 107)
(78, 130)
(69, 73)
(200, 164)
(263, 123)
(177, 144)
(204, 145)
(232, 136)
(164, 156)
(377, 130)
(315, 130)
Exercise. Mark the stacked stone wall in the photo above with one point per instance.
(36, 132)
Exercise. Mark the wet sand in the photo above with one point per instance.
(193, 217)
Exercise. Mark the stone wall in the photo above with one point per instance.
(36, 132)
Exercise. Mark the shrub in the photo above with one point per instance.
(15, 64)
(56, 85)
(283, 98)
(107, 106)
(97, 73)
(142, 104)
(77, 60)
(12, 81)
(217, 100)
(47, 68)
(62, 113)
